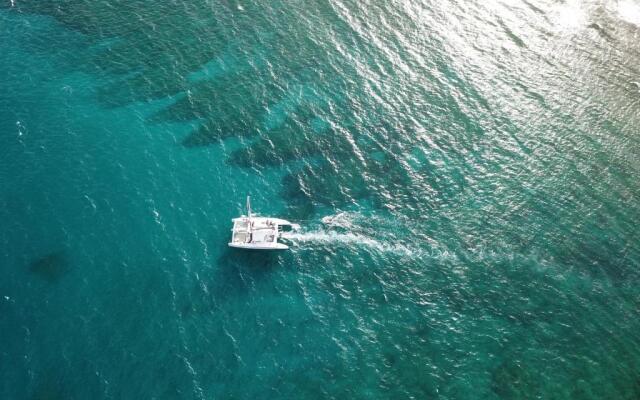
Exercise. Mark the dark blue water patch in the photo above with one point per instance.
(518, 376)
(241, 269)
(51, 266)
(249, 108)
(236, 277)
(289, 144)
(50, 387)
(329, 186)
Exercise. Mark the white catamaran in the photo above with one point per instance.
(252, 232)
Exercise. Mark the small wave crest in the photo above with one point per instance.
(342, 219)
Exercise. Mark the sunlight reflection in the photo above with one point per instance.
(571, 15)
(629, 11)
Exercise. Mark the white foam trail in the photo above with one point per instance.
(354, 238)
(335, 239)
(342, 219)
(351, 239)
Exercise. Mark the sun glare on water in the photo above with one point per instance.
(629, 11)
(571, 16)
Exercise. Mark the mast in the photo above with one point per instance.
(249, 225)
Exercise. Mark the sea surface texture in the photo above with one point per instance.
(466, 174)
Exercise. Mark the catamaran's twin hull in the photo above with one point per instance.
(250, 246)
(258, 233)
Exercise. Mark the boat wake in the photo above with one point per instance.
(327, 239)
(356, 242)
(347, 239)
(350, 230)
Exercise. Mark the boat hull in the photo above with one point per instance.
(259, 246)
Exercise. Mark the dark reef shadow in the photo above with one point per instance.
(239, 272)
(52, 266)
(252, 263)
(236, 274)
(49, 388)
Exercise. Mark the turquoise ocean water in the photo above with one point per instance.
(478, 162)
